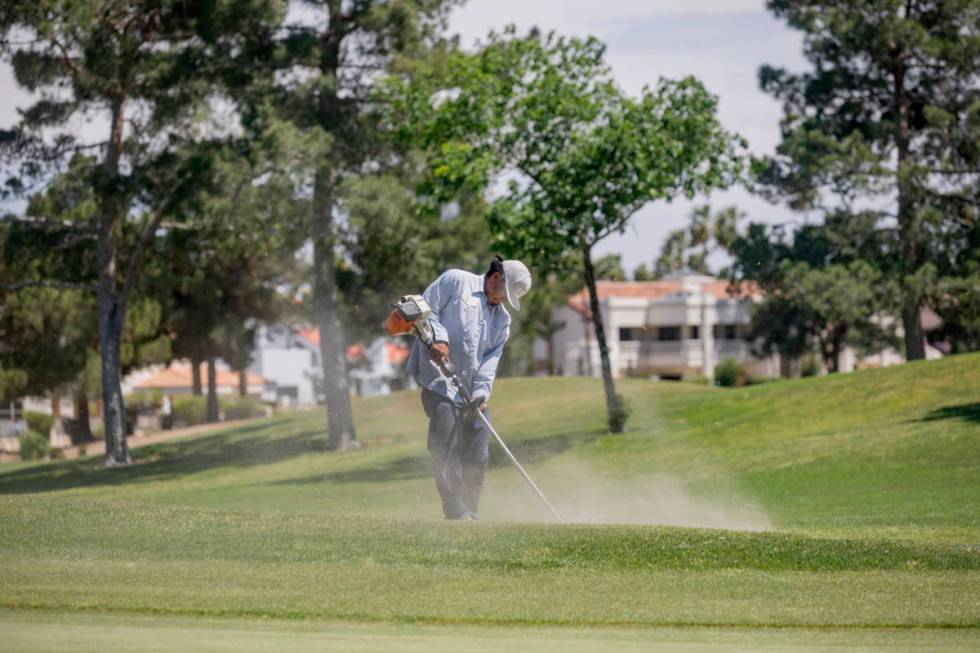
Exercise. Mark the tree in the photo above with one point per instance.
(52, 332)
(584, 156)
(393, 246)
(149, 69)
(610, 268)
(219, 278)
(888, 116)
(326, 68)
(818, 292)
(642, 273)
(688, 249)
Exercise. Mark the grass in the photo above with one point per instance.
(42, 632)
(848, 502)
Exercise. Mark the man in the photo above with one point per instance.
(469, 326)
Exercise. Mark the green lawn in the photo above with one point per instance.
(847, 506)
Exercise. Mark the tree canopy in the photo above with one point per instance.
(885, 127)
(583, 157)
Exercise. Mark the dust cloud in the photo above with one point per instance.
(582, 495)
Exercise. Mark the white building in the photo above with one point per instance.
(378, 368)
(675, 328)
(289, 361)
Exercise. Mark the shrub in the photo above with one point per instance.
(189, 410)
(809, 366)
(619, 415)
(145, 401)
(33, 445)
(39, 422)
(730, 374)
(243, 408)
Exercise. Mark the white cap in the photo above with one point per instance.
(517, 281)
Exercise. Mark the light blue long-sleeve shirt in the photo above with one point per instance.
(474, 329)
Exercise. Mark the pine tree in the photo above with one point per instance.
(149, 70)
(888, 116)
(334, 56)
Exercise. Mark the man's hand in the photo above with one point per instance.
(480, 402)
(439, 352)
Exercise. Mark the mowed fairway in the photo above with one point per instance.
(827, 513)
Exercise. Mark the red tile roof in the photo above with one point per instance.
(396, 351)
(179, 375)
(311, 336)
(647, 290)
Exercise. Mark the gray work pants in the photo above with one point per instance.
(458, 442)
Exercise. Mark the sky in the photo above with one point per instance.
(722, 42)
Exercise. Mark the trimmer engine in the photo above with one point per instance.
(410, 313)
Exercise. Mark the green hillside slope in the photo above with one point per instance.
(894, 452)
(847, 501)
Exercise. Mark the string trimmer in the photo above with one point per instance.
(411, 315)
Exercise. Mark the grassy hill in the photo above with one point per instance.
(846, 501)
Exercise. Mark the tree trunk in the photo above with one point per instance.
(789, 366)
(196, 387)
(113, 411)
(911, 259)
(82, 417)
(915, 348)
(612, 400)
(212, 391)
(587, 362)
(110, 318)
(550, 343)
(242, 383)
(336, 387)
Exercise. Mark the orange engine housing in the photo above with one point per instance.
(396, 325)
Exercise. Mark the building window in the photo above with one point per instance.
(725, 332)
(668, 333)
(628, 334)
(695, 332)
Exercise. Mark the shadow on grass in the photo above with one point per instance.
(242, 447)
(965, 412)
(413, 467)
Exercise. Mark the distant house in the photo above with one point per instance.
(288, 359)
(675, 328)
(177, 379)
(378, 368)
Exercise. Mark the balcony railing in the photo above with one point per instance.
(683, 353)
